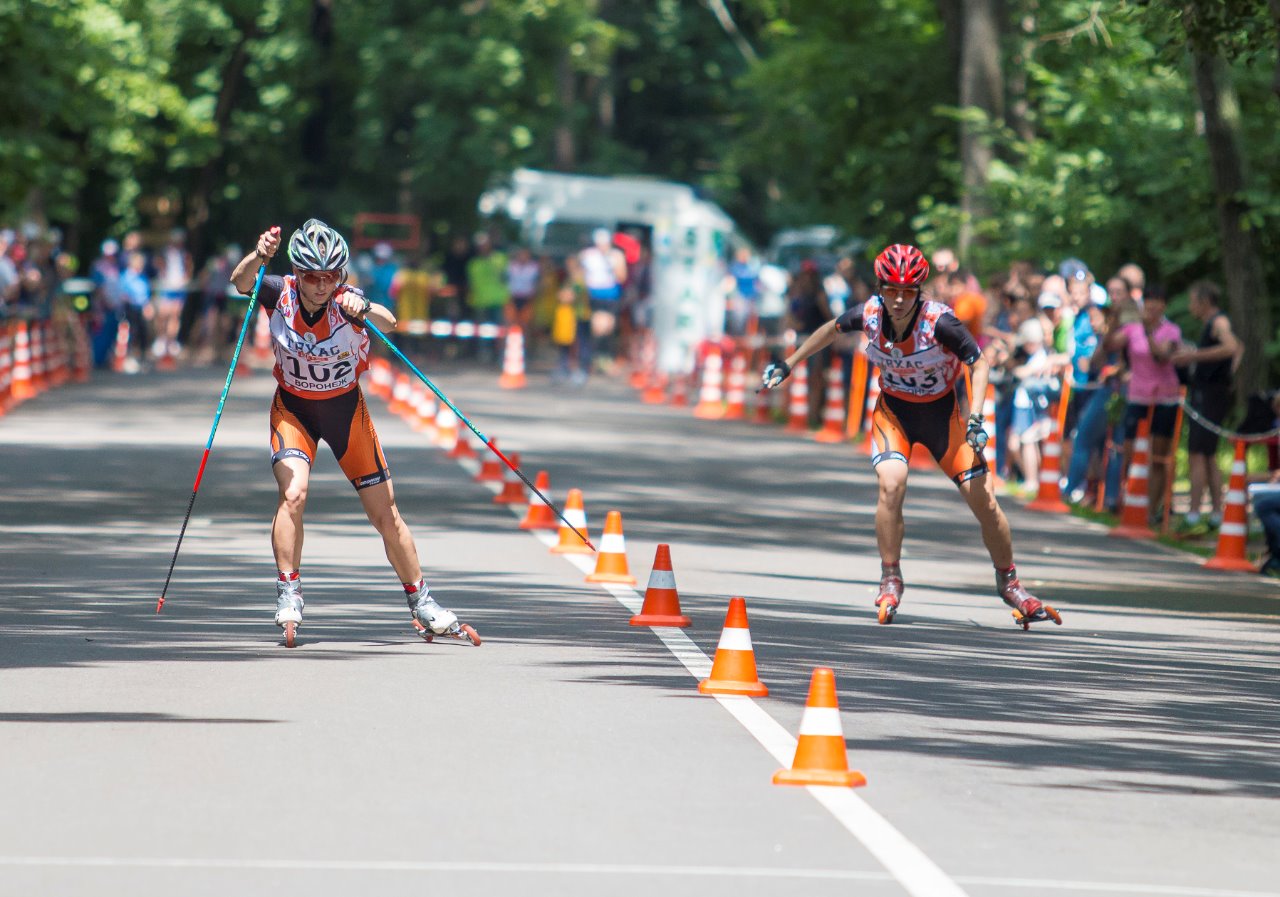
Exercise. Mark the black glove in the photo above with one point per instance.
(774, 374)
(976, 435)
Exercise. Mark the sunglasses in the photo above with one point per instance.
(891, 293)
(316, 278)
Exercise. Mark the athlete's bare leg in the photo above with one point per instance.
(380, 505)
(292, 477)
(892, 475)
(980, 495)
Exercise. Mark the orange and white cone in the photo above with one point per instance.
(1049, 497)
(1234, 532)
(38, 381)
(736, 395)
(462, 445)
(869, 410)
(680, 391)
(540, 515)
(262, 354)
(576, 518)
(22, 388)
(6, 367)
(798, 400)
(764, 402)
(513, 360)
(711, 400)
(512, 487)
(491, 467)
(656, 392)
(446, 429)
(611, 561)
(821, 758)
(833, 415)
(661, 601)
(380, 378)
(121, 354)
(733, 671)
(989, 424)
(400, 395)
(425, 408)
(1133, 517)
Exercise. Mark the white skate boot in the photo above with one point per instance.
(289, 606)
(431, 619)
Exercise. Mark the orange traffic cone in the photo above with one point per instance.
(798, 400)
(656, 392)
(121, 354)
(661, 601)
(491, 467)
(611, 561)
(262, 354)
(513, 360)
(1049, 498)
(425, 407)
(833, 415)
(540, 515)
(733, 672)
(989, 424)
(6, 367)
(869, 410)
(764, 401)
(380, 378)
(680, 391)
(512, 486)
(1133, 517)
(462, 446)
(820, 758)
(736, 395)
(38, 382)
(711, 400)
(400, 394)
(22, 388)
(446, 429)
(1235, 521)
(576, 518)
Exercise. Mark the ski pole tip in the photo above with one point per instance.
(159, 605)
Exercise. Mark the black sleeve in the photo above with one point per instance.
(269, 291)
(850, 320)
(956, 338)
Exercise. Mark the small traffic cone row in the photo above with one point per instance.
(22, 387)
(512, 487)
(833, 414)
(611, 560)
(400, 393)
(1049, 496)
(661, 601)
(462, 445)
(1133, 517)
(821, 758)
(1234, 531)
(540, 515)
(446, 429)
(798, 401)
(513, 376)
(425, 408)
(733, 671)
(575, 517)
(710, 399)
(491, 467)
(736, 394)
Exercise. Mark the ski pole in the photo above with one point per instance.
(226, 388)
(483, 438)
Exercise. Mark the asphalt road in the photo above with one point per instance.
(1134, 750)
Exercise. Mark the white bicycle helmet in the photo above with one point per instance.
(317, 247)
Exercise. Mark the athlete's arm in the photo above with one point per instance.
(356, 306)
(956, 339)
(246, 273)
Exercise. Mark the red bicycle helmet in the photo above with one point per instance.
(902, 265)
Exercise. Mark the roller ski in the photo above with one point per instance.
(1027, 608)
(289, 606)
(431, 620)
(890, 593)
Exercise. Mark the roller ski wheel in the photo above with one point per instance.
(464, 632)
(891, 588)
(1044, 612)
(887, 608)
(290, 634)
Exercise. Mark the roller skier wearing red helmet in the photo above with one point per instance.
(920, 349)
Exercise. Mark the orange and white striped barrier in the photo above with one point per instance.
(833, 414)
(735, 396)
(6, 367)
(575, 517)
(121, 354)
(611, 559)
(22, 387)
(1234, 532)
(661, 600)
(798, 400)
(512, 488)
(989, 425)
(711, 399)
(733, 671)
(539, 515)
(821, 757)
(1133, 517)
(513, 376)
(1049, 496)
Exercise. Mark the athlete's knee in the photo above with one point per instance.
(893, 491)
(293, 497)
(385, 518)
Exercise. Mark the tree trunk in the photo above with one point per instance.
(1020, 104)
(565, 145)
(1246, 286)
(1274, 6)
(981, 90)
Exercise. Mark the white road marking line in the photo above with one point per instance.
(1110, 887)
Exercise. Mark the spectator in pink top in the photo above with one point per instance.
(1154, 393)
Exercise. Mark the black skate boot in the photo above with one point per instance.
(1027, 608)
(891, 588)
